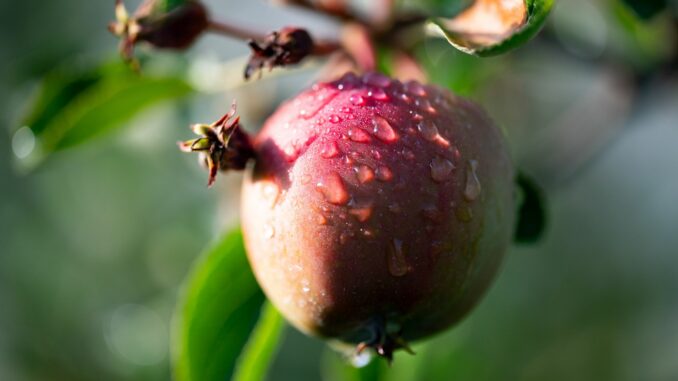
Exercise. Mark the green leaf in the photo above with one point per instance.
(531, 212)
(491, 27)
(76, 105)
(261, 347)
(218, 310)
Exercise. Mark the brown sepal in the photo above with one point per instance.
(222, 145)
(177, 28)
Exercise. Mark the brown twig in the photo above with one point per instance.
(234, 31)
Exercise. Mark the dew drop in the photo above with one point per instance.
(364, 174)
(330, 150)
(305, 286)
(358, 135)
(291, 153)
(472, 189)
(415, 88)
(384, 173)
(441, 169)
(428, 130)
(425, 105)
(441, 141)
(269, 231)
(376, 79)
(361, 214)
(378, 94)
(271, 193)
(335, 119)
(383, 130)
(367, 232)
(397, 265)
(320, 219)
(334, 190)
(346, 110)
(357, 100)
(348, 79)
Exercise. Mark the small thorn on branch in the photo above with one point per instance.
(222, 145)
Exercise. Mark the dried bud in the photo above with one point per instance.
(162, 23)
(286, 47)
(222, 144)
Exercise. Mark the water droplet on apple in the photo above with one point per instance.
(334, 190)
(383, 130)
(330, 150)
(384, 173)
(357, 100)
(441, 169)
(358, 135)
(473, 188)
(269, 231)
(364, 174)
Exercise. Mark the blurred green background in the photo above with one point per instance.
(96, 240)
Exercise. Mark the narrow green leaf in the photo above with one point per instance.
(218, 310)
(76, 104)
(531, 211)
(261, 347)
(491, 27)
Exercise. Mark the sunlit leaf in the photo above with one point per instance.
(218, 310)
(490, 27)
(261, 347)
(76, 105)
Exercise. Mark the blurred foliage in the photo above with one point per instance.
(96, 243)
(647, 8)
(75, 105)
(217, 313)
(531, 215)
(258, 353)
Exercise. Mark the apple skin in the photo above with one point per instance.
(377, 201)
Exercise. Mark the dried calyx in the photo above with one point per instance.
(222, 145)
(384, 343)
(281, 48)
(161, 23)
